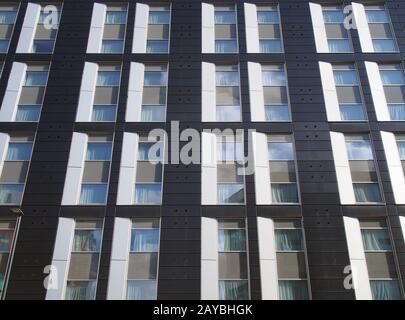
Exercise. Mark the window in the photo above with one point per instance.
(154, 93)
(348, 92)
(337, 35)
(275, 93)
(143, 260)
(233, 260)
(227, 93)
(363, 169)
(225, 29)
(84, 260)
(45, 34)
(380, 260)
(96, 170)
(282, 165)
(401, 149)
(392, 77)
(114, 29)
(380, 29)
(8, 15)
(7, 235)
(291, 260)
(32, 93)
(269, 29)
(15, 169)
(158, 29)
(106, 93)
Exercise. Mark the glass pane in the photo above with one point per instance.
(401, 149)
(144, 240)
(28, 113)
(229, 151)
(7, 17)
(6, 237)
(230, 193)
(150, 151)
(98, 151)
(293, 290)
(103, 113)
(267, 17)
(277, 113)
(87, 240)
(141, 290)
(46, 17)
(11, 193)
(148, 193)
(347, 78)
(333, 16)
(112, 46)
(43, 46)
(351, 112)
(267, 46)
(93, 194)
(397, 111)
(273, 78)
(231, 240)
(4, 46)
(389, 77)
(36, 78)
(385, 290)
(367, 192)
(227, 78)
(159, 17)
(108, 78)
(228, 113)
(280, 151)
(359, 150)
(375, 239)
(157, 46)
(19, 151)
(284, 193)
(377, 16)
(116, 17)
(155, 78)
(80, 290)
(225, 46)
(386, 45)
(153, 113)
(339, 45)
(225, 17)
(233, 290)
(288, 239)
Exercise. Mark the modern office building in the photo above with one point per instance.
(94, 203)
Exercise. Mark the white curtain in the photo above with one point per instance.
(367, 192)
(375, 239)
(347, 78)
(277, 113)
(28, 113)
(385, 45)
(351, 112)
(333, 16)
(225, 46)
(273, 78)
(230, 193)
(148, 193)
(157, 46)
(341, 45)
(93, 193)
(397, 111)
(103, 113)
(87, 240)
(108, 78)
(359, 150)
(228, 113)
(141, 290)
(267, 46)
(289, 239)
(7, 17)
(159, 17)
(11, 193)
(112, 46)
(225, 17)
(80, 290)
(266, 17)
(99, 151)
(227, 78)
(284, 193)
(19, 151)
(233, 290)
(394, 77)
(145, 240)
(401, 149)
(116, 17)
(36, 78)
(385, 290)
(153, 113)
(293, 290)
(231, 240)
(377, 16)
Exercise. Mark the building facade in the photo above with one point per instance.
(95, 206)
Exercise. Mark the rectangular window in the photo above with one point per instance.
(96, 170)
(106, 93)
(363, 168)
(8, 15)
(114, 28)
(32, 93)
(275, 93)
(381, 31)
(227, 93)
(84, 260)
(154, 97)
(337, 35)
(47, 29)
(7, 236)
(401, 149)
(291, 260)
(380, 260)
(348, 92)
(143, 260)
(392, 77)
(269, 29)
(226, 32)
(233, 260)
(283, 177)
(158, 29)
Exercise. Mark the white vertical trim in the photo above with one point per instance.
(357, 257)
(135, 91)
(61, 258)
(262, 170)
(208, 28)
(74, 172)
(208, 169)
(363, 29)
(209, 259)
(257, 112)
(252, 28)
(377, 91)
(126, 181)
(329, 91)
(343, 174)
(96, 28)
(13, 91)
(402, 222)
(208, 94)
(29, 28)
(119, 259)
(141, 28)
(87, 91)
(4, 140)
(394, 166)
(318, 24)
(267, 258)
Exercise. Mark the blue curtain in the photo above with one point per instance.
(293, 290)
(385, 290)
(347, 78)
(375, 239)
(233, 290)
(36, 78)
(341, 45)
(288, 239)
(227, 78)
(7, 17)
(19, 151)
(112, 46)
(386, 45)
(157, 46)
(231, 240)
(359, 150)
(108, 78)
(145, 240)
(5, 240)
(401, 149)
(87, 240)
(159, 17)
(230, 193)
(273, 78)
(284, 193)
(93, 194)
(392, 77)
(80, 290)
(148, 193)
(100, 151)
(367, 192)
(266, 17)
(225, 46)
(280, 151)
(141, 290)
(225, 17)
(228, 113)
(397, 111)
(116, 17)
(277, 113)
(11, 193)
(153, 113)
(351, 112)
(377, 16)
(333, 16)
(267, 46)
(103, 113)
